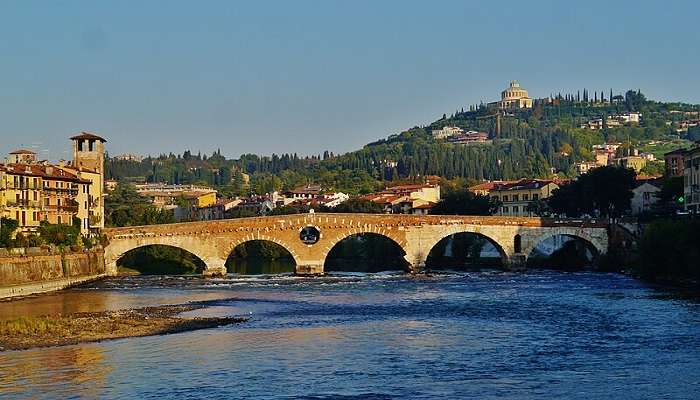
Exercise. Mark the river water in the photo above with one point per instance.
(378, 336)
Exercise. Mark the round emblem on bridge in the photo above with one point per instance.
(309, 235)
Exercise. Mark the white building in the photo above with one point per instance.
(446, 132)
(644, 197)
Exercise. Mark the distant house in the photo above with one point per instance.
(585, 166)
(674, 162)
(516, 195)
(304, 192)
(407, 199)
(637, 163)
(644, 196)
(446, 132)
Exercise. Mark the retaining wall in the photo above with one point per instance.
(37, 270)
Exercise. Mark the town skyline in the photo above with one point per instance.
(301, 79)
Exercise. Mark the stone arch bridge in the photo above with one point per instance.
(213, 241)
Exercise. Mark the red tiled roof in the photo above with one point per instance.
(22, 151)
(523, 184)
(488, 185)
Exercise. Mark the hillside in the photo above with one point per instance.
(539, 142)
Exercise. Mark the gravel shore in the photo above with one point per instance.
(25, 333)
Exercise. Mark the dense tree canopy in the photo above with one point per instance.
(125, 207)
(464, 202)
(604, 191)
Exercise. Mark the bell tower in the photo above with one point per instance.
(88, 152)
(88, 163)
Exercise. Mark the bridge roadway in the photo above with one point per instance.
(213, 241)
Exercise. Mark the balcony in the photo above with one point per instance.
(23, 203)
(62, 208)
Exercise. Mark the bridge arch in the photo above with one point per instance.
(579, 234)
(501, 251)
(119, 248)
(158, 259)
(581, 251)
(265, 238)
(327, 244)
(366, 252)
(501, 246)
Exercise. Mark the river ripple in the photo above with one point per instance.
(382, 336)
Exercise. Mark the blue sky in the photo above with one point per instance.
(305, 76)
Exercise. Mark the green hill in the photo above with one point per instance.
(533, 142)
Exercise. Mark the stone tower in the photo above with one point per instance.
(88, 152)
(88, 163)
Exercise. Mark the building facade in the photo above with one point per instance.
(674, 163)
(515, 196)
(32, 193)
(691, 179)
(644, 197)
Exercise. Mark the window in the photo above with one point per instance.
(535, 196)
(515, 209)
(525, 196)
(517, 244)
(505, 197)
(59, 219)
(505, 210)
(515, 197)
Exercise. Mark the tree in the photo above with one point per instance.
(538, 207)
(7, 228)
(671, 189)
(464, 202)
(604, 191)
(654, 168)
(60, 234)
(125, 207)
(358, 205)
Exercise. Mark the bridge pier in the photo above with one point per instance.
(215, 268)
(111, 268)
(309, 268)
(517, 262)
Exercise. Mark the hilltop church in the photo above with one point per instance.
(513, 98)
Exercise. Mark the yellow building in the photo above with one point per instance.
(33, 193)
(21, 200)
(513, 97)
(637, 163)
(201, 199)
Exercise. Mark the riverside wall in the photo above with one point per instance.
(38, 270)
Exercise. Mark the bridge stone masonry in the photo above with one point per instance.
(213, 241)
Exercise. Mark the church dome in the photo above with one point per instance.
(514, 91)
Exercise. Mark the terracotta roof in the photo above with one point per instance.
(310, 189)
(56, 173)
(488, 185)
(22, 151)
(523, 184)
(88, 135)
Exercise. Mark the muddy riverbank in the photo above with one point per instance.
(58, 330)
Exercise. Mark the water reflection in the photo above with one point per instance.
(451, 335)
(82, 368)
(260, 266)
